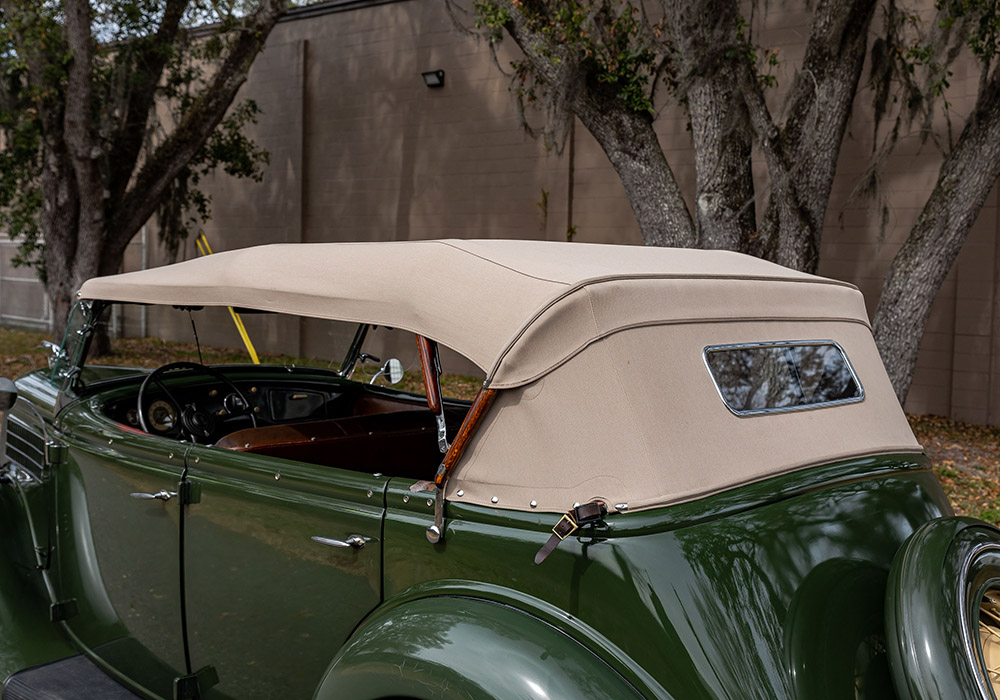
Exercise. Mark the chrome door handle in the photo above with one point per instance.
(161, 495)
(354, 541)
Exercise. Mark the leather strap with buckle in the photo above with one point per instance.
(573, 520)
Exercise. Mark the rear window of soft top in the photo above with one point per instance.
(782, 376)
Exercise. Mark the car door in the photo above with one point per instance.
(275, 582)
(118, 548)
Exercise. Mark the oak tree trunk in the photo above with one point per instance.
(626, 135)
(802, 156)
(968, 174)
(704, 37)
(635, 153)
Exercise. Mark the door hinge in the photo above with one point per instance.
(43, 558)
(191, 687)
(63, 610)
(190, 492)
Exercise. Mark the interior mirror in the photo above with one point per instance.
(393, 370)
(8, 394)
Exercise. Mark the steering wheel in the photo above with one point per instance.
(194, 422)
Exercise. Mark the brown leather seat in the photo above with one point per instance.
(400, 443)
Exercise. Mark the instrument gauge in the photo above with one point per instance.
(162, 416)
(234, 404)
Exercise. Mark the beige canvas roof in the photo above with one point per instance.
(599, 348)
(636, 419)
(517, 309)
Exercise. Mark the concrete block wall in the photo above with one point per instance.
(361, 149)
(22, 298)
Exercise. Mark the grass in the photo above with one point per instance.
(19, 352)
(966, 457)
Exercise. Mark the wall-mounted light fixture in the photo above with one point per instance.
(433, 78)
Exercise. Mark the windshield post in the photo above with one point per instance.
(354, 352)
(76, 343)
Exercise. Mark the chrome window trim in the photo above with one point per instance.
(786, 344)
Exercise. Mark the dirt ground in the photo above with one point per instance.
(967, 461)
(966, 457)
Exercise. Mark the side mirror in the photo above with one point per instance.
(8, 395)
(56, 352)
(394, 370)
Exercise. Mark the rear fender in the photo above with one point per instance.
(936, 584)
(452, 647)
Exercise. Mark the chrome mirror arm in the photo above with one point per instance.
(56, 353)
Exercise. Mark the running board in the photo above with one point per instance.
(75, 678)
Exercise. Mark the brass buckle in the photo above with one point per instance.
(562, 532)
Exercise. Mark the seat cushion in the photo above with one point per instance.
(400, 443)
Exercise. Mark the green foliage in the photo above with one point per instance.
(984, 18)
(21, 128)
(492, 18)
(20, 194)
(187, 207)
(126, 40)
(911, 60)
(766, 60)
(614, 45)
(907, 63)
(607, 38)
(910, 73)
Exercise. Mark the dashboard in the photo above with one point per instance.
(216, 409)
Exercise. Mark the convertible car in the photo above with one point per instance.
(685, 476)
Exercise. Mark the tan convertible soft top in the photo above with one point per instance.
(601, 347)
(515, 308)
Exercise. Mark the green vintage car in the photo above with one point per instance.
(685, 476)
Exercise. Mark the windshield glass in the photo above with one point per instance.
(219, 336)
(68, 357)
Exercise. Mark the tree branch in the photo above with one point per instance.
(822, 98)
(626, 136)
(196, 125)
(784, 210)
(819, 106)
(967, 175)
(150, 57)
(703, 36)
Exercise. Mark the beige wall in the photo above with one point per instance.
(23, 303)
(362, 150)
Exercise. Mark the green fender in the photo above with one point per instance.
(937, 579)
(27, 636)
(453, 647)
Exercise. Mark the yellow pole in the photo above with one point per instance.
(202, 242)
